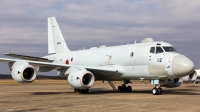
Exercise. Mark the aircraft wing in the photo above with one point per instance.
(28, 57)
(104, 71)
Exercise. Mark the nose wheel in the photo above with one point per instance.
(157, 91)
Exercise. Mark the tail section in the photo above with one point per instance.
(56, 42)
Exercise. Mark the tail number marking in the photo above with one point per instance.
(58, 43)
(159, 60)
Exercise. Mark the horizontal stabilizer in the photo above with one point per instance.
(28, 57)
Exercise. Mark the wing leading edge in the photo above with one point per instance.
(28, 57)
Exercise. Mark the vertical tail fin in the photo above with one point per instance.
(56, 42)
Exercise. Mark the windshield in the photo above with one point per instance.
(152, 50)
(159, 50)
(169, 49)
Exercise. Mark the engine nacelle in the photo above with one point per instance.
(171, 83)
(191, 77)
(23, 72)
(81, 79)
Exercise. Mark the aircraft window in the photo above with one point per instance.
(159, 50)
(152, 50)
(131, 55)
(169, 49)
(71, 59)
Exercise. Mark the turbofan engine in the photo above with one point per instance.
(23, 72)
(191, 77)
(81, 79)
(171, 83)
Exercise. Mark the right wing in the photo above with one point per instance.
(98, 71)
(28, 57)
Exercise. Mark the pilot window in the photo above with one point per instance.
(152, 50)
(159, 50)
(169, 49)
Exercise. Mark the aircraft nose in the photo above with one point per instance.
(182, 66)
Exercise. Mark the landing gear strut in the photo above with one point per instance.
(123, 87)
(81, 91)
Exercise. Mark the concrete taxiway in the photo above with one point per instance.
(59, 97)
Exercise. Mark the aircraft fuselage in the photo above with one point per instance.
(133, 61)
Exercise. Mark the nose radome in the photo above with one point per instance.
(182, 66)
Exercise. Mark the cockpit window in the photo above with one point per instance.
(169, 49)
(159, 50)
(152, 50)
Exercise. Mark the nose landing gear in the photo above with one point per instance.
(157, 90)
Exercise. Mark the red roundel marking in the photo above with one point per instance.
(67, 62)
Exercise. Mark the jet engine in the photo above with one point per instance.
(81, 79)
(171, 83)
(191, 77)
(23, 72)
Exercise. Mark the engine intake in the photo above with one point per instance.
(81, 79)
(23, 72)
(191, 77)
(28, 73)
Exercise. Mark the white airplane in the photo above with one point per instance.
(148, 60)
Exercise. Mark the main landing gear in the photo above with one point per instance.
(81, 91)
(124, 88)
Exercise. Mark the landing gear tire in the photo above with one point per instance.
(81, 91)
(124, 89)
(86, 90)
(119, 88)
(155, 91)
(78, 90)
(160, 91)
(129, 89)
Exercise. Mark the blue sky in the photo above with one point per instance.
(91, 23)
